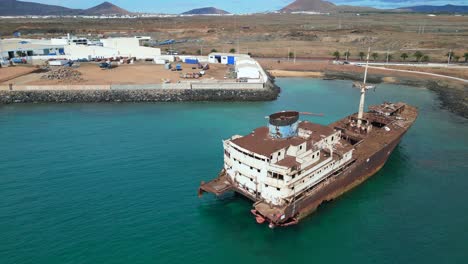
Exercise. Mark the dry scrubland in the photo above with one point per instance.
(273, 35)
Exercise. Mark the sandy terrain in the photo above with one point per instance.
(9, 73)
(125, 74)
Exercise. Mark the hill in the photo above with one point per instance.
(309, 5)
(21, 8)
(323, 7)
(206, 11)
(105, 8)
(436, 9)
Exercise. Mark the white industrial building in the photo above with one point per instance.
(66, 48)
(225, 58)
(131, 47)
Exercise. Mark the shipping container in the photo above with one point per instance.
(191, 61)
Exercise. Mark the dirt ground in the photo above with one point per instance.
(9, 73)
(123, 74)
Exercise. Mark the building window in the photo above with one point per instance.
(300, 147)
(333, 138)
(251, 179)
(292, 188)
(278, 189)
(271, 157)
(313, 156)
(294, 176)
(281, 177)
(258, 170)
(251, 168)
(279, 153)
(266, 185)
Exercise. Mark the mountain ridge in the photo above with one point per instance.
(23, 8)
(206, 11)
(436, 9)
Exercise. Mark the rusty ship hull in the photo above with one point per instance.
(371, 152)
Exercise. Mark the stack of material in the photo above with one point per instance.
(65, 74)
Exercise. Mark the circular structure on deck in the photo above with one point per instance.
(285, 118)
(283, 124)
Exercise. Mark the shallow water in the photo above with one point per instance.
(116, 183)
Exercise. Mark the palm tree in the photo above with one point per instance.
(404, 56)
(456, 57)
(214, 50)
(425, 58)
(418, 55)
(449, 55)
(291, 54)
(347, 54)
(375, 55)
(361, 55)
(466, 56)
(233, 50)
(199, 52)
(336, 54)
(390, 57)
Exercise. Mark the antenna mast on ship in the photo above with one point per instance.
(363, 92)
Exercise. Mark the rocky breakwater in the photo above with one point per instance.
(9, 95)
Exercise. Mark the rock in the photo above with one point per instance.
(65, 74)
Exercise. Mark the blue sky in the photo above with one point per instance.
(234, 6)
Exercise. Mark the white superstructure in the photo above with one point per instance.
(280, 162)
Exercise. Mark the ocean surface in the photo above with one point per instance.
(117, 183)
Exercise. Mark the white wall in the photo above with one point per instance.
(88, 52)
(251, 72)
(130, 47)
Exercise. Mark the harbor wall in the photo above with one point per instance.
(136, 93)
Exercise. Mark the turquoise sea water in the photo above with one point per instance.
(117, 183)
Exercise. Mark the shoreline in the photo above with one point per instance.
(453, 94)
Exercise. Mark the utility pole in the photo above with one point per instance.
(449, 57)
(294, 55)
(347, 54)
(387, 56)
(289, 52)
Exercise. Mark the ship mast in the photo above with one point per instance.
(363, 92)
